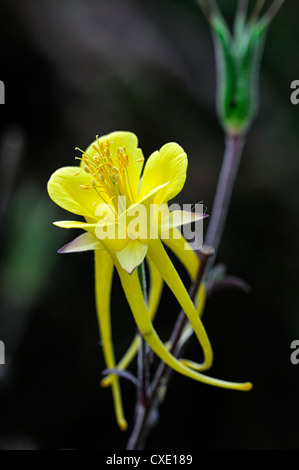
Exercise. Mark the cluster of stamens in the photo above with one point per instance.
(108, 172)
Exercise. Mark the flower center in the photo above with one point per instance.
(109, 173)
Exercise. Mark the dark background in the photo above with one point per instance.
(77, 68)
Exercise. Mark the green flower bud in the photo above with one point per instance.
(238, 58)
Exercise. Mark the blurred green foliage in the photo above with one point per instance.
(29, 246)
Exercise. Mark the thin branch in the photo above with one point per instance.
(204, 8)
(214, 7)
(146, 413)
(256, 10)
(121, 373)
(209, 8)
(146, 417)
(272, 11)
(228, 282)
(142, 422)
(205, 253)
(143, 364)
(230, 165)
(242, 8)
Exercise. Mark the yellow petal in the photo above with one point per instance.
(132, 255)
(177, 243)
(148, 198)
(64, 189)
(132, 289)
(103, 281)
(130, 142)
(169, 164)
(158, 255)
(188, 331)
(191, 262)
(155, 290)
(76, 224)
(201, 299)
(177, 219)
(124, 362)
(84, 242)
(138, 217)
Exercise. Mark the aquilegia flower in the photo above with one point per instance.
(107, 189)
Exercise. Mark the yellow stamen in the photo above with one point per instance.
(109, 172)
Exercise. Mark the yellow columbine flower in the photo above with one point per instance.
(108, 191)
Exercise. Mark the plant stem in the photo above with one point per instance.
(233, 150)
(135, 442)
(182, 320)
(143, 363)
(146, 412)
